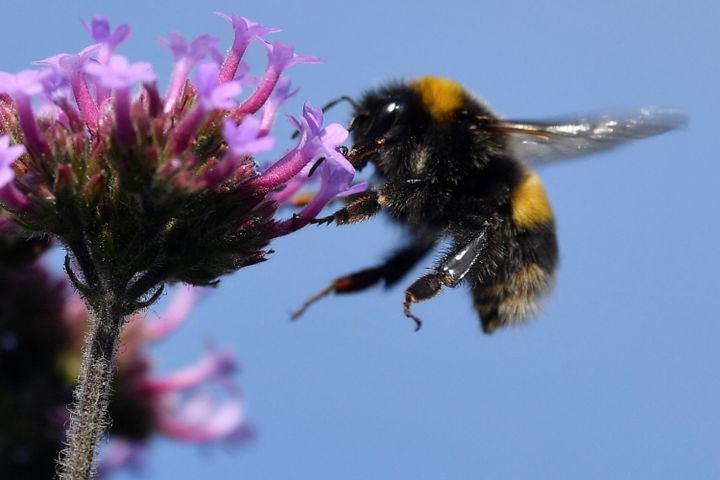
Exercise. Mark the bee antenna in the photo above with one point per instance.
(343, 98)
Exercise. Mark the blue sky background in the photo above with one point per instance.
(617, 378)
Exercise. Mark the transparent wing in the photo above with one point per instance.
(545, 141)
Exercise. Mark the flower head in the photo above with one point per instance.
(187, 157)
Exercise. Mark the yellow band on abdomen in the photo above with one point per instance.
(530, 205)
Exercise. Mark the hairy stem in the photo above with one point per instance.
(88, 419)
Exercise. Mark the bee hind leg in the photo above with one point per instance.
(449, 273)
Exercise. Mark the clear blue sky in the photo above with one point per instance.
(616, 379)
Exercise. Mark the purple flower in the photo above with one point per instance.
(70, 62)
(315, 142)
(8, 155)
(26, 82)
(244, 77)
(180, 407)
(56, 85)
(108, 41)
(336, 175)
(214, 366)
(214, 95)
(280, 57)
(279, 96)
(171, 193)
(71, 66)
(211, 96)
(243, 140)
(335, 171)
(181, 303)
(9, 194)
(200, 418)
(246, 138)
(120, 454)
(99, 29)
(22, 86)
(119, 73)
(186, 56)
(194, 51)
(245, 31)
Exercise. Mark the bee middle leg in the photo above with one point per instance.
(449, 273)
(391, 271)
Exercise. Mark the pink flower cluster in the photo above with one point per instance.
(85, 102)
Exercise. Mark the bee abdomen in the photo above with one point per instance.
(530, 205)
(514, 300)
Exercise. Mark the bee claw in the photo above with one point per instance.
(409, 299)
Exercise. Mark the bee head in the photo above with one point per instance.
(392, 123)
(405, 109)
(380, 116)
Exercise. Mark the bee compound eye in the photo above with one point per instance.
(385, 118)
(358, 123)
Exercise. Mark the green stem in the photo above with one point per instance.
(88, 419)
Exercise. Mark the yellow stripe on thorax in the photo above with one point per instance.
(530, 205)
(442, 97)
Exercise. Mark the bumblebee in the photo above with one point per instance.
(449, 168)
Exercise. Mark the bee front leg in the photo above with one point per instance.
(449, 273)
(358, 210)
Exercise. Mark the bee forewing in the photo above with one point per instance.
(546, 141)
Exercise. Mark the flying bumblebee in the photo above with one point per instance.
(450, 168)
